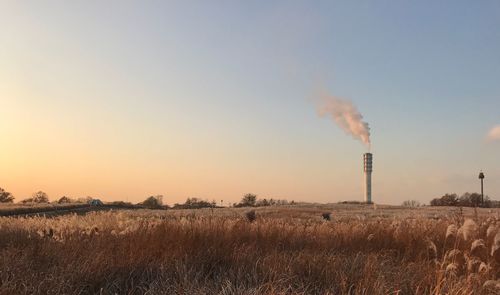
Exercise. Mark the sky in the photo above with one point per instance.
(121, 100)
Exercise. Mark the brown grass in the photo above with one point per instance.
(284, 251)
(8, 209)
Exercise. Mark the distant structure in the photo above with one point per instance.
(368, 158)
(481, 177)
(95, 202)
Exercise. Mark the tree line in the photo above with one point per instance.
(465, 200)
(251, 200)
(248, 200)
(38, 197)
(152, 202)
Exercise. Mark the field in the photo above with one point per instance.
(9, 209)
(285, 250)
(54, 209)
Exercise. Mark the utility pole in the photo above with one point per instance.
(481, 176)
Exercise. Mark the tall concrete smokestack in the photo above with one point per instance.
(368, 176)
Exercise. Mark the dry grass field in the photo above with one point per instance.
(7, 209)
(285, 250)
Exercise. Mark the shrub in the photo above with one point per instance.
(248, 200)
(465, 200)
(262, 203)
(195, 203)
(411, 203)
(84, 200)
(40, 197)
(446, 200)
(122, 204)
(6, 197)
(351, 202)
(153, 202)
(65, 200)
(251, 216)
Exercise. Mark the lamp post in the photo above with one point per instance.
(481, 176)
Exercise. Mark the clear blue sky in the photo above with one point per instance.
(212, 99)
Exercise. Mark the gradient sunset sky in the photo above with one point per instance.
(213, 99)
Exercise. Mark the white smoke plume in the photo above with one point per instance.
(494, 134)
(346, 115)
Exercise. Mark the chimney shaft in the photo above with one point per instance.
(368, 176)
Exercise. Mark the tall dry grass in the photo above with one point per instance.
(190, 253)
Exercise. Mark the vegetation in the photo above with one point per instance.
(250, 200)
(466, 200)
(195, 203)
(121, 204)
(65, 200)
(286, 250)
(39, 208)
(38, 197)
(411, 204)
(84, 200)
(251, 215)
(153, 202)
(6, 197)
(352, 202)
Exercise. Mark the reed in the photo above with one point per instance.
(174, 252)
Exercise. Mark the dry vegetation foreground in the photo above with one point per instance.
(289, 250)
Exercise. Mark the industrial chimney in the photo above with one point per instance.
(368, 177)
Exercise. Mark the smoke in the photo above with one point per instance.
(494, 134)
(346, 115)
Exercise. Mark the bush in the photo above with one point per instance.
(195, 203)
(471, 200)
(65, 200)
(411, 203)
(446, 200)
(40, 197)
(84, 200)
(436, 202)
(466, 200)
(121, 204)
(251, 216)
(248, 200)
(153, 202)
(352, 202)
(6, 197)
(262, 203)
